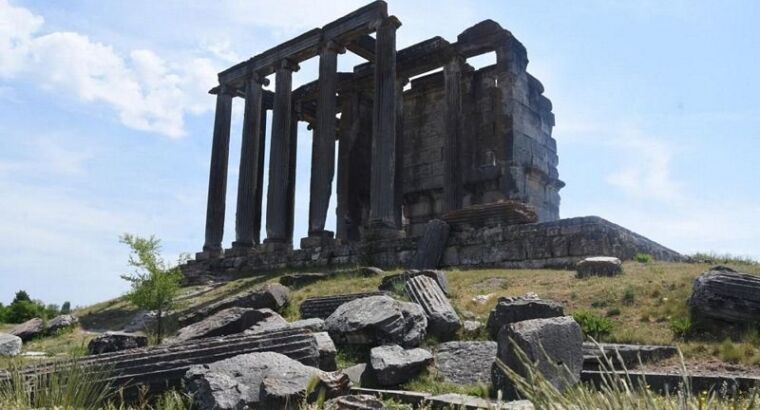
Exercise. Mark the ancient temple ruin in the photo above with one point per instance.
(421, 135)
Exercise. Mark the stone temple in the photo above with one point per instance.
(421, 136)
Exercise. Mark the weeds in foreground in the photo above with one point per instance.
(72, 385)
(619, 391)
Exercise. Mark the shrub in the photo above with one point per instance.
(729, 352)
(154, 283)
(3, 313)
(643, 258)
(66, 308)
(22, 310)
(593, 325)
(629, 296)
(681, 326)
(613, 312)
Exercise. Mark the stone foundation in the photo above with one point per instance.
(556, 244)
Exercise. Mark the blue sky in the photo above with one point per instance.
(105, 124)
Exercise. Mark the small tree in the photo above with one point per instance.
(66, 308)
(3, 313)
(154, 283)
(21, 296)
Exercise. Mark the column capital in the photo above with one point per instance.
(225, 89)
(288, 64)
(385, 22)
(332, 45)
(258, 79)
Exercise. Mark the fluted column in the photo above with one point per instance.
(290, 207)
(349, 127)
(452, 173)
(259, 195)
(323, 144)
(382, 218)
(249, 168)
(217, 181)
(279, 155)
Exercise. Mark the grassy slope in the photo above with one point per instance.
(659, 292)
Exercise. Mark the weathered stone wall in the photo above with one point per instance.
(558, 244)
(508, 151)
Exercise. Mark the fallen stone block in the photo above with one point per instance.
(431, 246)
(162, 367)
(270, 296)
(226, 322)
(269, 320)
(29, 330)
(60, 322)
(110, 342)
(593, 354)
(471, 327)
(10, 345)
(377, 320)
(392, 365)
(327, 351)
(599, 266)
(355, 402)
(515, 309)
(260, 380)
(554, 344)
(323, 306)
(443, 321)
(414, 398)
(464, 402)
(398, 280)
(725, 295)
(466, 362)
(359, 374)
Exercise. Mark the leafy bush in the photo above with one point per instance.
(593, 325)
(681, 326)
(629, 296)
(22, 310)
(66, 308)
(643, 258)
(3, 313)
(154, 283)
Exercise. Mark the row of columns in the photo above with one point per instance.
(282, 153)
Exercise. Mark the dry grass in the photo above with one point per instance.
(641, 303)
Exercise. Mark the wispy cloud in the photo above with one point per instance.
(147, 92)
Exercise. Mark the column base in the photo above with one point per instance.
(317, 240)
(381, 231)
(239, 249)
(209, 254)
(276, 246)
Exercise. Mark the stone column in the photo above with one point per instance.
(399, 194)
(290, 207)
(217, 181)
(323, 147)
(279, 157)
(382, 217)
(249, 168)
(349, 127)
(259, 196)
(452, 173)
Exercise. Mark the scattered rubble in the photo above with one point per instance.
(599, 266)
(443, 321)
(392, 365)
(110, 342)
(465, 362)
(377, 320)
(514, 309)
(10, 345)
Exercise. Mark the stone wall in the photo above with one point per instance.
(556, 244)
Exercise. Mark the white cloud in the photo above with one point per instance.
(645, 172)
(147, 92)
